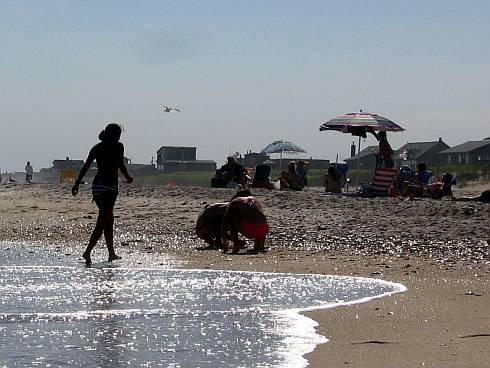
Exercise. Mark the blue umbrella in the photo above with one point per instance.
(280, 147)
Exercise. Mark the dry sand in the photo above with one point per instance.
(437, 249)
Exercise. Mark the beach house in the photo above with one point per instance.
(366, 159)
(414, 152)
(467, 153)
(177, 158)
(64, 171)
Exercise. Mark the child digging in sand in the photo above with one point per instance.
(208, 224)
(109, 157)
(244, 215)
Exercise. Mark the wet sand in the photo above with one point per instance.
(438, 249)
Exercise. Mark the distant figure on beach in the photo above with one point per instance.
(244, 216)
(233, 172)
(109, 155)
(29, 172)
(333, 181)
(290, 179)
(385, 155)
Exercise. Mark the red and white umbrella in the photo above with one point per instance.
(357, 123)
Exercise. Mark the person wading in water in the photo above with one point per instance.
(109, 155)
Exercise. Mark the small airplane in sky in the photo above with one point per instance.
(170, 109)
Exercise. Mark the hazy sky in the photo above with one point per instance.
(244, 73)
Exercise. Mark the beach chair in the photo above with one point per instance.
(343, 169)
(303, 182)
(380, 184)
(261, 177)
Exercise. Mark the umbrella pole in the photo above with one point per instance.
(358, 162)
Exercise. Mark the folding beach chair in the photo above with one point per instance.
(343, 169)
(262, 177)
(380, 184)
(303, 182)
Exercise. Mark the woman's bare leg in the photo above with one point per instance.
(96, 234)
(109, 236)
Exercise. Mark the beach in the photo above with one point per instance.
(437, 249)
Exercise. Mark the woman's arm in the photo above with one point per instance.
(122, 167)
(83, 171)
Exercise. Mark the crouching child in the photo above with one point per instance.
(208, 224)
(244, 216)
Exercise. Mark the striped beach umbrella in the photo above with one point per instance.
(358, 122)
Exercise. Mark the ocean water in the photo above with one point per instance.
(140, 312)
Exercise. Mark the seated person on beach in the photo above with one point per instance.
(403, 178)
(422, 176)
(208, 224)
(244, 216)
(301, 170)
(484, 197)
(233, 172)
(442, 188)
(333, 180)
(290, 179)
(420, 182)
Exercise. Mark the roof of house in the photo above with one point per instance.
(174, 147)
(416, 149)
(189, 162)
(467, 147)
(64, 164)
(70, 161)
(369, 150)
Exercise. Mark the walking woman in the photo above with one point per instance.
(109, 155)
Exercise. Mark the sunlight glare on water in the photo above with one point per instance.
(55, 311)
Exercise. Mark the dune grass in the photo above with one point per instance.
(465, 173)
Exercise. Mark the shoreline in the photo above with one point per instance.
(420, 326)
(434, 248)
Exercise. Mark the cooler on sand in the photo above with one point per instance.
(218, 183)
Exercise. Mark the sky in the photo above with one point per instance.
(243, 73)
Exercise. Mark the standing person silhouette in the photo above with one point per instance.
(385, 150)
(109, 155)
(29, 172)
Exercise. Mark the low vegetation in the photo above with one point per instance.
(465, 174)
